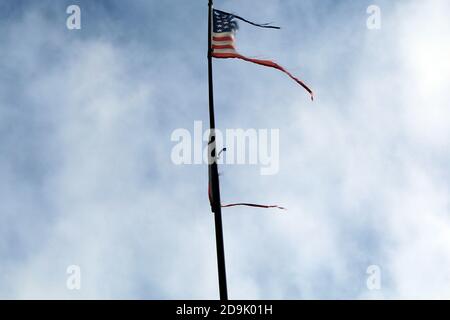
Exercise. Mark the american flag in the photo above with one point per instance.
(223, 42)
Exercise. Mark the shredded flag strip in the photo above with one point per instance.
(252, 205)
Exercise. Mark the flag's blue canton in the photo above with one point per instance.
(223, 22)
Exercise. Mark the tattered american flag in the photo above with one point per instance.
(224, 29)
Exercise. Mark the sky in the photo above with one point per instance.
(86, 176)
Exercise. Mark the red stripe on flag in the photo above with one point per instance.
(227, 38)
(227, 46)
(266, 63)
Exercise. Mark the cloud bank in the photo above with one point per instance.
(86, 177)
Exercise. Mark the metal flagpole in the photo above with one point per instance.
(215, 188)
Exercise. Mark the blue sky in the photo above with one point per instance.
(86, 176)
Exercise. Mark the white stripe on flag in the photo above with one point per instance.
(224, 51)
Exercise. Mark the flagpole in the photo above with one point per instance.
(215, 186)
